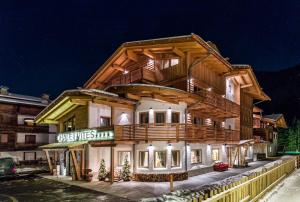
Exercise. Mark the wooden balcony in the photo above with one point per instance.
(134, 76)
(174, 132)
(216, 104)
(24, 128)
(27, 146)
(264, 133)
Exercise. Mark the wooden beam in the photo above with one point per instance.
(148, 53)
(159, 97)
(114, 104)
(80, 101)
(75, 164)
(131, 55)
(246, 85)
(132, 96)
(112, 165)
(49, 161)
(178, 52)
(118, 67)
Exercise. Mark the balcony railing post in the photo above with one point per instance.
(146, 132)
(177, 132)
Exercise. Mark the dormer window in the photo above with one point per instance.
(166, 63)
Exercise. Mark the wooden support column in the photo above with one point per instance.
(49, 161)
(83, 162)
(75, 164)
(112, 165)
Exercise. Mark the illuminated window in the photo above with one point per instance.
(175, 117)
(69, 125)
(160, 159)
(143, 159)
(175, 158)
(198, 121)
(3, 138)
(215, 154)
(160, 117)
(144, 117)
(166, 63)
(104, 121)
(196, 156)
(122, 155)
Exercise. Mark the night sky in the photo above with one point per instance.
(50, 47)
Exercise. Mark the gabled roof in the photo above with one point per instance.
(13, 98)
(277, 119)
(178, 44)
(248, 81)
(70, 99)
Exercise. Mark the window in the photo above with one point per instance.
(166, 63)
(175, 158)
(215, 154)
(3, 138)
(196, 156)
(160, 159)
(160, 117)
(198, 121)
(122, 155)
(175, 117)
(69, 125)
(104, 121)
(30, 139)
(144, 117)
(143, 159)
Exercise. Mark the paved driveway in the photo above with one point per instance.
(137, 190)
(39, 189)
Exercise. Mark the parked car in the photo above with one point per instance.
(220, 166)
(7, 166)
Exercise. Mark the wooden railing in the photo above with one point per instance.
(25, 128)
(218, 101)
(149, 132)
(263, 133)
(253, 187)
(134, 76)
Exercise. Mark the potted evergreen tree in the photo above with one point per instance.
(102, 171)
(126, 171)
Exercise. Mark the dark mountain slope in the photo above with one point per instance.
(283, 87)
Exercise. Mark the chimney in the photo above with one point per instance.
(4, 90)
(45, 98)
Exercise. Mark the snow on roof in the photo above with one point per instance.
(22, 99)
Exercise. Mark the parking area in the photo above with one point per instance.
(137, 190)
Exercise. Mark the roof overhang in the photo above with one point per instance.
(177, 45)
(70, 99)
(245, 76)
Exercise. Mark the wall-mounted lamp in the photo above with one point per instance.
(125, 72)
(209, 89)
(169, 146)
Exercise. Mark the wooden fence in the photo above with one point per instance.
(253, 187)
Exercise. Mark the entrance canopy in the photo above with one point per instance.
(64, 145)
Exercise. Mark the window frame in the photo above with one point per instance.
(147, 117)
(160, 112)
(200, 156)
(178, 114)
(105, 117)
(218, 154)
(73, 120)
(165, 152)
(179, 160)
(129, 160)
(5, 135)
(139, 163)
(30, 136)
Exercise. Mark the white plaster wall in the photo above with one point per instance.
(22, 117)
(95, 111)
(95, 154)
(52, 128)
(52, 138)
(122, 116)
(40, 138)
(160, 146)
(146, 103)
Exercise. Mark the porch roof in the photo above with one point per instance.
(63, 145)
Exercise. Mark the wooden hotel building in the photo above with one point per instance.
(168, 105)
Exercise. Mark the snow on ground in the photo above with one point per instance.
(288, 190)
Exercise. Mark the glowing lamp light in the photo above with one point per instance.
(209, 89)
(169, 146)
(150, 147)
(125, 72)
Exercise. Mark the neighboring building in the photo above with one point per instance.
(20, 137)
(266, 133)
(169, 105)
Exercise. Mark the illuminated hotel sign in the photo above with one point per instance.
(85, 135)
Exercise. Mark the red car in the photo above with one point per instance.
(220, 166)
